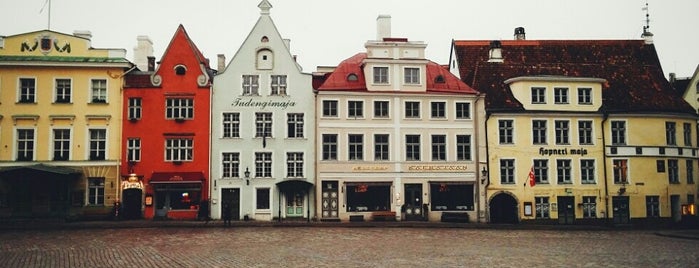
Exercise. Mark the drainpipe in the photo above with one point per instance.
(487, 176)
(604, 165)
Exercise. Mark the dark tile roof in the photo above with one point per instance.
(635, 80)
(138, 79)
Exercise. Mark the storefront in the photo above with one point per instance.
(174, 195)
(37, 191)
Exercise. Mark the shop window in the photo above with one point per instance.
(180, 197)
(446, 196)
(365, 197)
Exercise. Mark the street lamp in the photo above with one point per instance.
(484, 175)
(247, 176)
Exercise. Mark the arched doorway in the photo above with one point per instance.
(503, 209)
(131, 205)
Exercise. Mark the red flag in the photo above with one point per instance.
(532, 177)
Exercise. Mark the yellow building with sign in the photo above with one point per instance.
(60, 114)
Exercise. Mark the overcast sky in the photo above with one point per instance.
(325, 32)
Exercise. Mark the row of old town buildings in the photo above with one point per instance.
(559, 131)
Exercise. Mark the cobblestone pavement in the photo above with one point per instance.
(343, 247)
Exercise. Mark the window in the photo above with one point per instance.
(95, 188)
(589, 204)
(562, 132)
(262, 198)
(294, 165)
(263, 124)
(25, 144)
(63, 90)
(505, 131)
(560, 95)
(412, 147)
(133, 149)
(177, 108)
(584, 95)
(278, 85)
(463, 147)
(27, 90)
(381, 109)
(587, 171)
(231, 165)
(660, 166)
(381, 147)
(463, 110)
(180, 149)
(585, 132)
(135, 106)
(690, 171)
(364, 197)
(251, 84)
(329, 146)
(438, 109)
(542, 207)
(355, 109)
(180, 70)
(618, 133)
(329, 108)
(99, 91)
(538, 95)
(231, 125)
(263, 165)
(412, 75)
(447, 196)
(507, 171)
(294, 123)
(563, 168)
(380, 75)
(620, 171)
(670, 133)
(652, 206)
(539, 131)
(61, 144)
(673, 171)
(98, 144)
(541, 171)
(356, 146)
(439, 148)
(412, 109)
(687, 130)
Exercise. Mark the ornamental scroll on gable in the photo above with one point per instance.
(45, 43)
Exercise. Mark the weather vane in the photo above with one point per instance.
(647, 26)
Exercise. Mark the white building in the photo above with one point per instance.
(263, 130)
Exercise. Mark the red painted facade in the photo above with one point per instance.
(166, 113)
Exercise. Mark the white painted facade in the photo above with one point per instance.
(245, 102)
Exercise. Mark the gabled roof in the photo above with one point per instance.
(337, 80)
(635, 80)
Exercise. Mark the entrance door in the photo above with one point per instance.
(294, 204)
(413, 202)
(676, 208)
(620, 206)
(231, 196)
(566, 209)
(330, 200)
(131, 205)
(503, 209)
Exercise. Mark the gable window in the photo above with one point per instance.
(95, 189)
(507, 171)
(180, 70)
(179, 149)
(133, 149)
(356, 146)
(27, 90)
(98, 144)
(412, 147)
(265, 58)
(411, 75)
(618, 133)
(381, 109)
(329, 146)
(439, 147)
(463, 110)
(380, 75)
(560, 95)
(438, 109)
(584, 95)
(687, 130)
(620, 171)
(412, 109)
(538, 95)
(61, 144)
(263, 125)
(562, 132)
(230, 162)
(329, 108)
(355, 109)
(463, 147)
(25, 144)
(251, 85)
(278, 85)
(294, 124)
(263, 165)
(563, 168)
(585, 132)
(99, 90)
(539, 131)
(294, 165)
(380, 147)
(587, 171)
(63, 90)
(670, 133)
(541, 171)
(505, 131)
(231, 125)
(178, 108)
(135, 106)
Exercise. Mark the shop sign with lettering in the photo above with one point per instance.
(262, 104)
(565, 151)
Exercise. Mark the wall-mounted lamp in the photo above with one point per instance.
(484, 175)
(247, 176)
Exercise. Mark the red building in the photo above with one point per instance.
(166, 135)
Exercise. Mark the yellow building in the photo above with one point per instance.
(60, 114)
(581, 131)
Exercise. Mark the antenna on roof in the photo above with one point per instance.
(42, 10)
(647, 35)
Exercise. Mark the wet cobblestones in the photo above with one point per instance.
(343, 247)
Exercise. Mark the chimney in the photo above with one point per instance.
(383, 27)
(150, 65)
(495, 53)
(83, 34)
(519, 34)
(673, 78)
(142, 53)
(221, 63)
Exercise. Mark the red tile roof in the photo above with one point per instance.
(635, 80)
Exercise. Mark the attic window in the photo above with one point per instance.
(180, 70)
(439, 79)
(264, 39)
(352, 77)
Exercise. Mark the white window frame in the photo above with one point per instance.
(585, 96)
(90, 145)
(379, 76)
(57, 87)
(251, 85)
(294, 165)
(179, 108)
(230, 121)
(561, 95)
(99, 95)
(54, 140)
(32, 142)
(32, 96)
(278, 85)
(230, 165)
(295, 123)
(179, 149)
(263, 164)
(411, 76)
(135, 108)
(133, 149)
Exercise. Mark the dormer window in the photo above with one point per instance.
(439, 79)
(180, 70)
(352, 77)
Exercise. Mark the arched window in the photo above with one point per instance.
(180, 70)
(352, 77)
(265, 59)
(264, 39)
